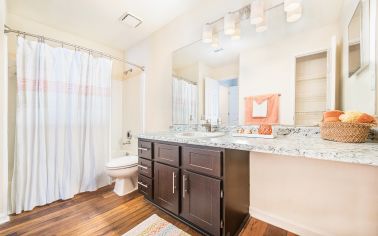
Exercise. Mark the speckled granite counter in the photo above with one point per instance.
(291, 145)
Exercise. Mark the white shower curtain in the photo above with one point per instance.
(185, 102)
(211, 100)
(62, 124)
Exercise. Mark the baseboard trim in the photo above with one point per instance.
(283, 223)
(4, 219)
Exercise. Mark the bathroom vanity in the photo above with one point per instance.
(205, 187)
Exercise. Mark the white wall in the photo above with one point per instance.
(117, 117)
(189, 72)
(271, 68)
(3, 120)
(228, 71)
(314, 197)
(359, 92)
(132, 105)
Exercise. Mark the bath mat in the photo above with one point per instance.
(155, 226)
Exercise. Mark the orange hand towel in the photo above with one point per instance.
(273, 109)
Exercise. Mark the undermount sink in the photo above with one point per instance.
(196, 134)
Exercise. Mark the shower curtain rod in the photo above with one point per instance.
(10, 30)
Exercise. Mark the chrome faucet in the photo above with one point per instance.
(210, 127)
(207, 126)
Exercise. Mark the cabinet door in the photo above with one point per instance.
(201, 201)
(165, 187)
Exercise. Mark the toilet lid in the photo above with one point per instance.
(120, 162)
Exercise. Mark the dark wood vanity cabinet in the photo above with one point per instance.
(205, 187)
(201, 201)
(166, 187)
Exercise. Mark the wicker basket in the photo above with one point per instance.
(345, 132)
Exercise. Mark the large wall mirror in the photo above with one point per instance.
(297, 61)
(354, 41)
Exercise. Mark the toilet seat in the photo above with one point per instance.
(122, 162)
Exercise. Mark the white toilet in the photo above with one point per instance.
(125, 171)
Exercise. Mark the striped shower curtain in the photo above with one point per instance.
(62, 124)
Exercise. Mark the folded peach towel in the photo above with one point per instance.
(272, 116)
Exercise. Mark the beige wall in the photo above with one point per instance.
(271, 68)
(314, 197)
(358, 92)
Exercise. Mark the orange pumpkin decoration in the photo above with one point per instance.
(365, 118)
(265, 129)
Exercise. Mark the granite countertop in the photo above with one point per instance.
(291, 145)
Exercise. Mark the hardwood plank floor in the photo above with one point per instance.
(104, 213)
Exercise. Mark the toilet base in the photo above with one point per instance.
(125, 186)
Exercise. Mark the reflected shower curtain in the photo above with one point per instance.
(62, 124)
(185, 102)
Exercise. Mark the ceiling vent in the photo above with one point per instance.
(130, 20)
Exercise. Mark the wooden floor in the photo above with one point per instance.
(104, 213)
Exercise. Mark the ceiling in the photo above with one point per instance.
(98, 19)
(277, 29)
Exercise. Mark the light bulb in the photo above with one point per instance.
(207, 33)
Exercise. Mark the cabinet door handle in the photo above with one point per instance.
(144, 167)
(173, 182)
(143, 149)
(183, 185)
(144, 185)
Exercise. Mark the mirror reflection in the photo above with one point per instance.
(354, 38)
(205, 86)
(284, 70)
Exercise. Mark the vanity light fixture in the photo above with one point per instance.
(294, 15)
(236, 35)
(257, 12)
(261, 27)
(207, 33)
(291, 5)
(229, 23)
(215, 42)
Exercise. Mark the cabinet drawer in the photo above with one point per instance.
(145, 186)
(165, 153)
(202, 160)
(145, 167)
(145, 149)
